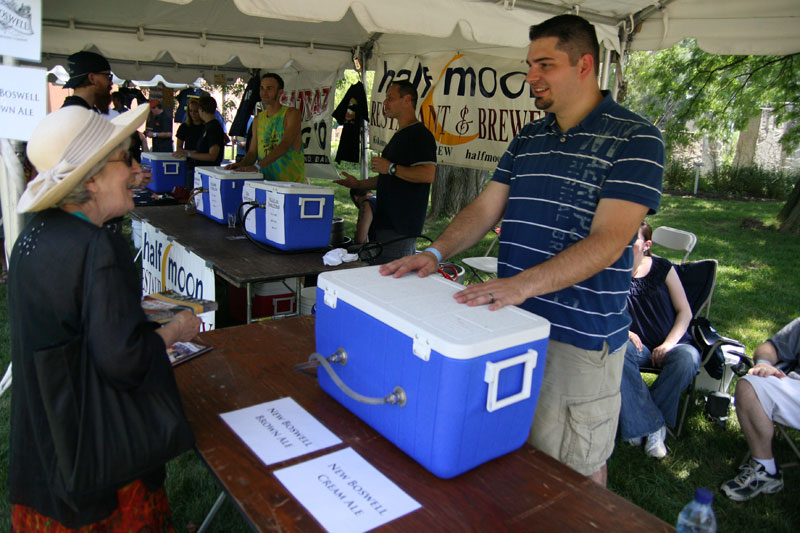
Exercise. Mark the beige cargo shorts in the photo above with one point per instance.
(578, 407)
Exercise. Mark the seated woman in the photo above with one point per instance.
(210, 148)
(192, 128)
(658, 337)
(73, 290)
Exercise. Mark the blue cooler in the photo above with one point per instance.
(221, 191)
(290, 216)
(168, 171)
(461, 382)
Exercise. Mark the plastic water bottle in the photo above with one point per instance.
(698, 516)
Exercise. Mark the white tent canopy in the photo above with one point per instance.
(184, 39)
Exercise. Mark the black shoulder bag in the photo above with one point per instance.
(105, 437)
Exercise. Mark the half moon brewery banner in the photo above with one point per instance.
(473, 104)
(313, 94)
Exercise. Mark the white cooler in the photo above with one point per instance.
(464, 380)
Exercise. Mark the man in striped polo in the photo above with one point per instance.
(571, 190)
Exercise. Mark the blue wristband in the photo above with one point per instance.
(435, 252)
(763, 361)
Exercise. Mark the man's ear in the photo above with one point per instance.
(586, 65)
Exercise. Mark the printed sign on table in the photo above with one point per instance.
(279, 430)
(166, 265)
(345, 493)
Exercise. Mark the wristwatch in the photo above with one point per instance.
(392, 169)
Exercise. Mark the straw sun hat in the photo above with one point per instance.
(66, 144)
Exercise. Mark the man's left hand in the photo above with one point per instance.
(497, 293)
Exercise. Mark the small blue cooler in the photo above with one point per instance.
(221, 191)
(168, 171)
(467, 379)
(294, 216)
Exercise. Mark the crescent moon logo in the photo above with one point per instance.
(164, 267)
(429, 115)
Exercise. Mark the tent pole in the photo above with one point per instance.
(606, 69)
(362, 61)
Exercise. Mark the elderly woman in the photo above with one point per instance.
(657, 337)
(85, 178)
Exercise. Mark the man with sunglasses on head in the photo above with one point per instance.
(90, 77)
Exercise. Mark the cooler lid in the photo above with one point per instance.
(288, 187)
(221, 173)
(424, 310)
(161, 156)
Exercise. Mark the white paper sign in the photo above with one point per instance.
(249, 195)
(275, 228)
(198, 198)
(23, 100)
(345, 493)
(215, 197)
(21, 30)
(279, 430)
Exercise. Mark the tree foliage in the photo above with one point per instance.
(718, 94)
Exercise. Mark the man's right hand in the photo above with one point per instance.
(424, 264)
(232, 166)
(765, 370)
(349, 181)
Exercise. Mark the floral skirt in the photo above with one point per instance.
(139, 511)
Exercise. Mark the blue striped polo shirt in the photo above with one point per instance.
(556, 180)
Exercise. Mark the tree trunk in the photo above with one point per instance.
(454, 188)
(789, 216)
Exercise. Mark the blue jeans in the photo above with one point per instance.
(645, 410)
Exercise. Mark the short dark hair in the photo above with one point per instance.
(405, 87)
(576, 37)
(274, 77)
(207, 104)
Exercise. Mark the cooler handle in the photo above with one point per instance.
(171, 167)
(396, 397)
(492, 377)
(304, 201)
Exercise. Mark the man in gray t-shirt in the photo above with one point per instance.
(766, 395)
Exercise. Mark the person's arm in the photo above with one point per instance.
(364, 222)
(683, 317)
(252, 152)
(352, 182)
(466, 229)
(211, 155)
(766, 357)
(614, 224)
(178, 144)
(183, 327)
(423, 173)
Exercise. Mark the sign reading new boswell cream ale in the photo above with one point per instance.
(473, 104)
(21, 29)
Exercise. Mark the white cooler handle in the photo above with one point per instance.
(492, 377)
(304, 201)
(171, 168)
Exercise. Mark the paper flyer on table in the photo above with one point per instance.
(279, 430)
(345, 493)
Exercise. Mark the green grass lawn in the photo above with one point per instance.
(757, 293)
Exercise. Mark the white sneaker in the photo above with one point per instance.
(654, 447)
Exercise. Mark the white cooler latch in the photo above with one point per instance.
(492, 377)
(305, 201)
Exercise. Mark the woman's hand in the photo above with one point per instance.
(183, 327)
(660, 352)
(765, 370)
(637, 342)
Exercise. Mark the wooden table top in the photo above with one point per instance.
(525, 490)
(237, 260)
